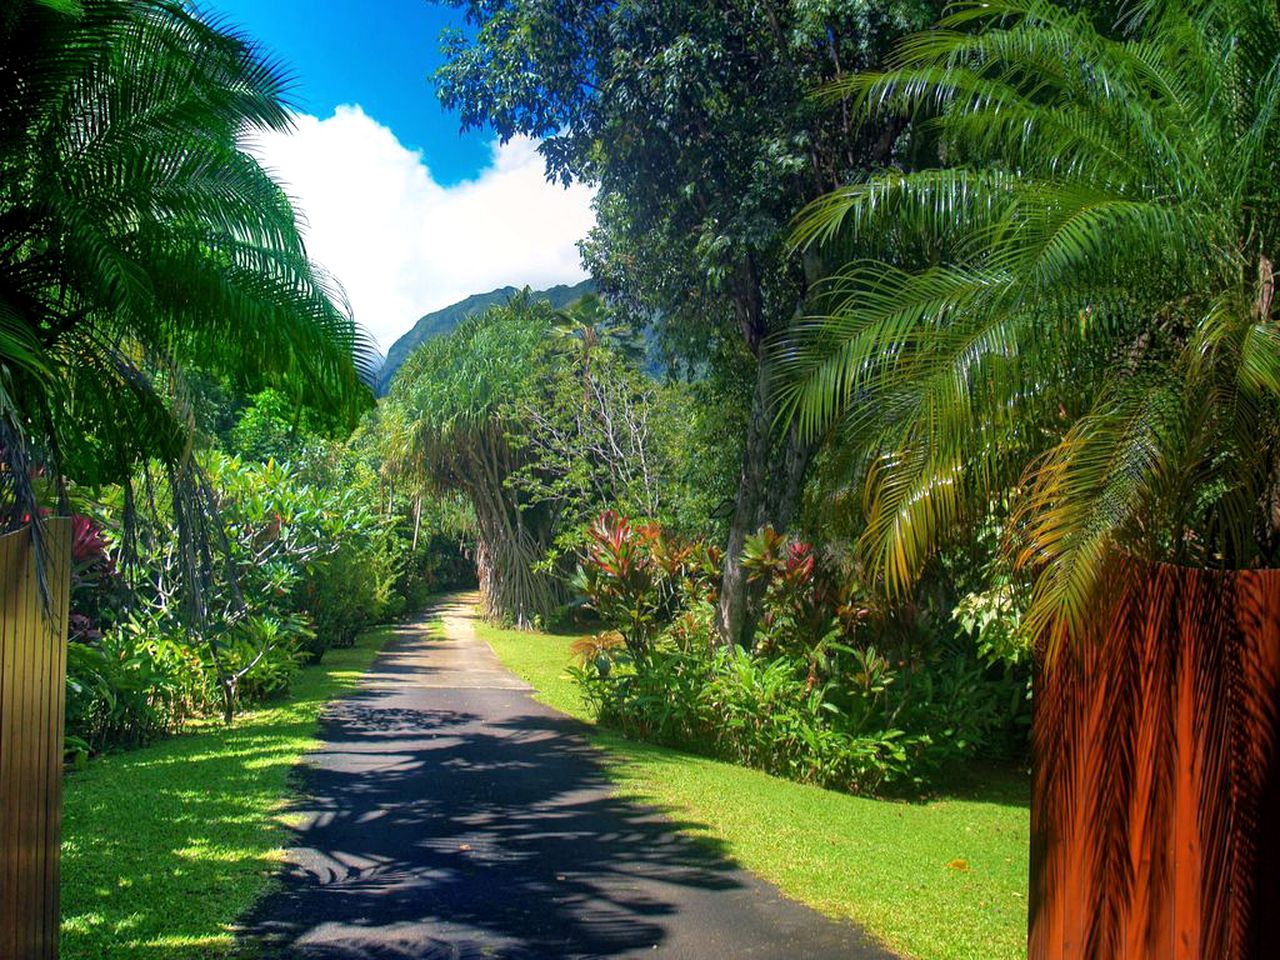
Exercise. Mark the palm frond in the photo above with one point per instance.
(1091, 274)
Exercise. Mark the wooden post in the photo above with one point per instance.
(33, 662)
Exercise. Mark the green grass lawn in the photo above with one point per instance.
(165, 846)
(943, 880)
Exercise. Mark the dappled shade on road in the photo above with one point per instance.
(450, 815)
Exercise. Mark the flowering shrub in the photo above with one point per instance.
(95, 583)
(306, 567)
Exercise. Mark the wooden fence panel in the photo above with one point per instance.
(1156, 800)
(32, 691)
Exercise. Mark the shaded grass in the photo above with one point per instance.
(163, 847)
(943, 880)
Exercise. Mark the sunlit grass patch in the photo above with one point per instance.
(943, 880)
(165, 846)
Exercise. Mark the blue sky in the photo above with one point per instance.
(407, 213)
(380, 55)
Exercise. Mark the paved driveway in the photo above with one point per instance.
(449, 815)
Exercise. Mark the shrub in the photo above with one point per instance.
(132, 684)
(146, 677)
(298, 547)
(636, 577)
(267, 653)
(833, 690)
(757, 711)
(306, 566)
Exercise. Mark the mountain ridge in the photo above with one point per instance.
(446, 318)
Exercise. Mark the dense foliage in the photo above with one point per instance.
(308, 564)
(444, 320)
(1076, 316)
(540, 419)
(139, 242)
(834, 690)
(696, 123)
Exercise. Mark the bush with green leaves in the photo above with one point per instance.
(830, 692)
(636, 577)
(131, 685)
(758, 711)
(319, 549)
(303, 566)
(147, 676)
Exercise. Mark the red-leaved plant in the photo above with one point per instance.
(636, 577)
(808, 607)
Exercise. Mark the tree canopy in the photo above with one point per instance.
(139, 241)
(1094, 332)
(455, 397)
(697, 123)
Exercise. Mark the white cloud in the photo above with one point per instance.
(402, 244)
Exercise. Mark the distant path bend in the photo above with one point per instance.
(450, 815)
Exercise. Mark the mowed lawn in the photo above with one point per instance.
(942, 880)
(165, 846)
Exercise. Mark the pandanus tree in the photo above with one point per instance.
(695, 124)
(1079, 311)
(457, 396)
(139, 241)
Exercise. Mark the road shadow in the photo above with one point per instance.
(457, 832)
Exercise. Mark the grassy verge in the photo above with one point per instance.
(165, 846)
(944, 880)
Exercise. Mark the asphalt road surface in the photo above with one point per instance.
(449, 815)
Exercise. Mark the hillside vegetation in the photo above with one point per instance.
(447, 318)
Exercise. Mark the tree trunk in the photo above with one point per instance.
(417, 520)
(747, 512)
(769, 491)
(508, 547)
(773, 470)
(228, 687)
(510, 587)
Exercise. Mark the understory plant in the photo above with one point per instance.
(832, 690)
(1078, 313)
(302, 567)
(636, 577)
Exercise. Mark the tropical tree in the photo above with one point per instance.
(1079, 310)
(695, 123)
(598, 432)
(139, 241)
(454, 400)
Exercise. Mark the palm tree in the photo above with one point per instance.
(1078, 310)
(138, 240)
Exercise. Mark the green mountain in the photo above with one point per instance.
(444, 320)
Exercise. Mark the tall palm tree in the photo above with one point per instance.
(1079, 310)
(138, 239)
